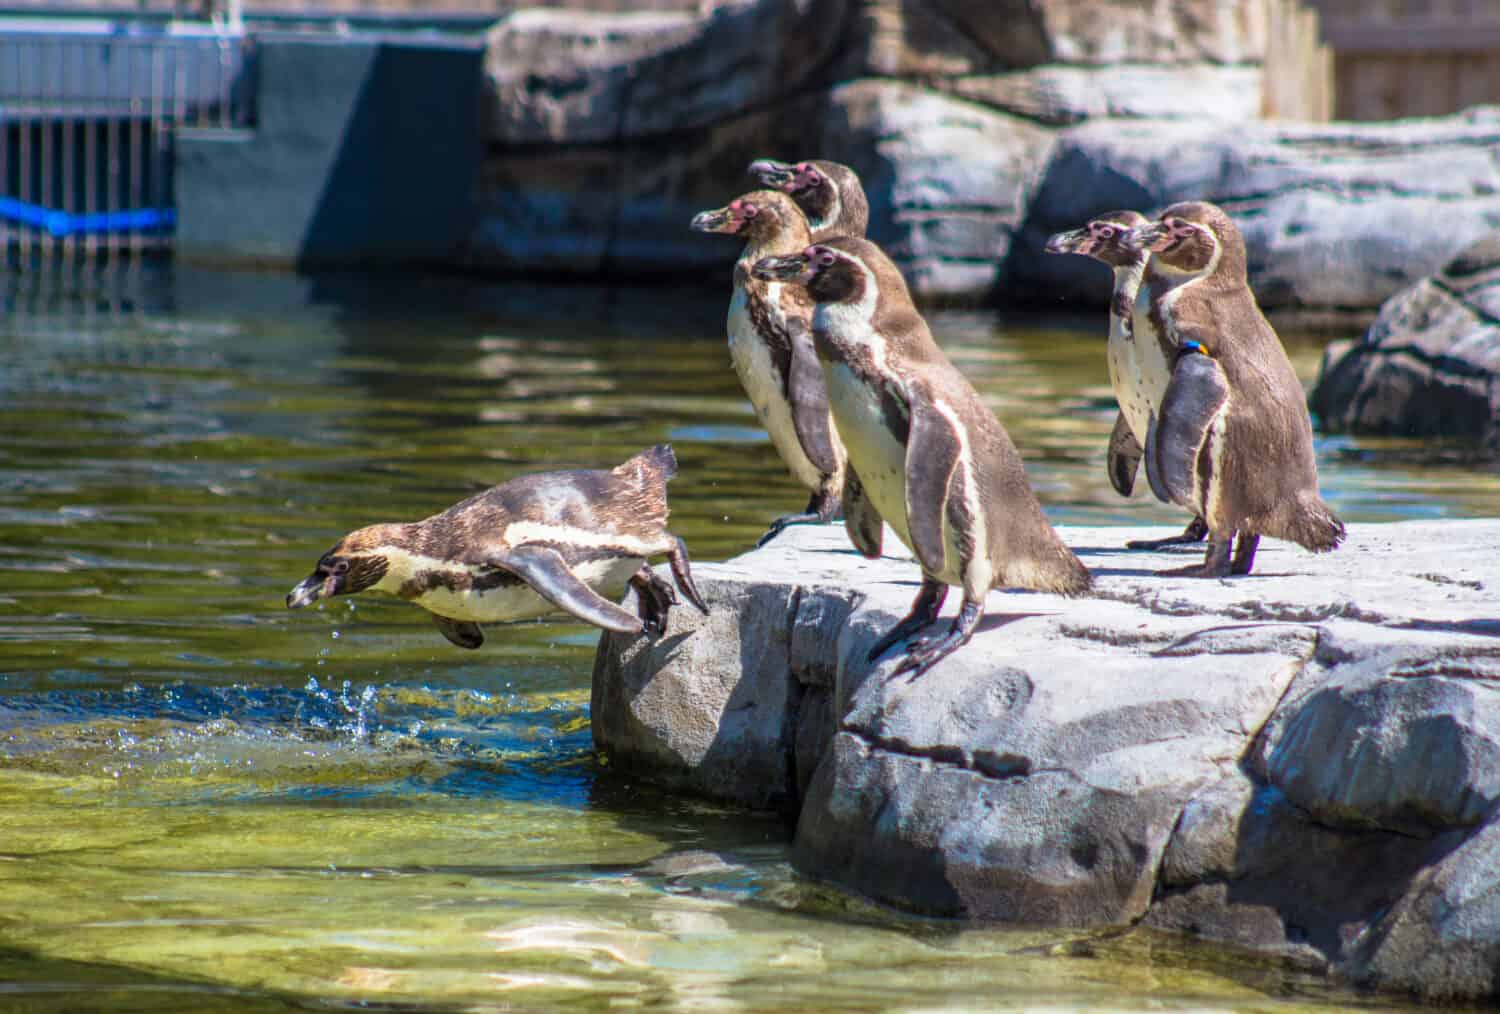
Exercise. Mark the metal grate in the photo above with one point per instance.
(87, 115)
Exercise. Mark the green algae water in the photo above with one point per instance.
(210, 803)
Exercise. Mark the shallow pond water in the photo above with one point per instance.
(211, 803)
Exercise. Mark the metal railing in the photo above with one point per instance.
(87, 115)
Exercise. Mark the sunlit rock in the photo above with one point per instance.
(1276, 761)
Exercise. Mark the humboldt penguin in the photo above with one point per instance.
(1138, 371)
(1230, 439)
(829, 194)
(925, 453)
(771, 347)
(538, 544)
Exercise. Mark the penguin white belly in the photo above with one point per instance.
(512, 602)
(765, 388)
(873, 450)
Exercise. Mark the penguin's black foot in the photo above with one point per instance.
(682, 573)
(1196, 531)
(923, 611)
(786, 521)
(654, 600)
(926, 652)
(1215, 563)
(1244, 554)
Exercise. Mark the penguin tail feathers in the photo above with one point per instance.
(1059, 571)
(1309, 523)
(661, 460)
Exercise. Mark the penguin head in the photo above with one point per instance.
(831, 273)
(1103, 238)
(828, 192)
(760, 214)
(356, 563)
(1195, 238)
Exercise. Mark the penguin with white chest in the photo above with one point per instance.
(1231, 439)
(550, 542)
(829, 193)
(771, 348)
(1138, 369)
(926, 455)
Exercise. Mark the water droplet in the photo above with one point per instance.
(322, 651)
(335, 635)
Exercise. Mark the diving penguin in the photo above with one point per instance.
(537, 544)
(925, 453)
(829, 193)
(771, 347)
(1138, 371)
(1230, 439)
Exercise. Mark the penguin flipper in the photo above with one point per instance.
(545, 570)
(932, 453)
(1124, 459)
(1195, 396)
(461, 632)
(807, 393)
(862, 521)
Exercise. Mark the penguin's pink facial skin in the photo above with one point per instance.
(788, 178)
(807, 177)
(730, 219)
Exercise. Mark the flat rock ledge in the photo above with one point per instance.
(1305, 761)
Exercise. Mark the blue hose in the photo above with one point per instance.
(65, 223)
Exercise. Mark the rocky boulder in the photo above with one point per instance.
(1430, 364)
(1305, 761)
(1334, 215)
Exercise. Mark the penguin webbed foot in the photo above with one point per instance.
(923, 612)
(925, 652)
(784, 522)
(1216, 562)
(1196, 531)
(654, 600)
(682, 573)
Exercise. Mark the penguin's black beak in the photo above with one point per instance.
(315, 586)
(790, 268)
(1072, 241)
(771, 173)
(1153, 236)
(717, 220)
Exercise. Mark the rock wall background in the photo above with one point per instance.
(977, 128)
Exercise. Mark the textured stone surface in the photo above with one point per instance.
(1430, 364)
(1334, 215)
(1295, 761)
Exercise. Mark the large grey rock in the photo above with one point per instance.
(1334, 215)
(580, 77)
(1277, 761)
(1062, 95)
(931, 38)
(1430, 364)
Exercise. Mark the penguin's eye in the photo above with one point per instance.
(826, 259)
(749, 211)
(1105, 232)
(339, 568)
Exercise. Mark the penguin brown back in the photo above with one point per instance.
(926, 455)
(829, 193)
(1232, 439)
(542, 543)
(771, 349)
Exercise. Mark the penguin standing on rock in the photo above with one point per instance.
(1230, 439)
(1138, 370)
(829, 193)
(538, 544)
(925, 453)
(771, 347)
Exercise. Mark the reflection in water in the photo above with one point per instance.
(213, 803)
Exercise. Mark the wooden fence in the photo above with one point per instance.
(1398, 58)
